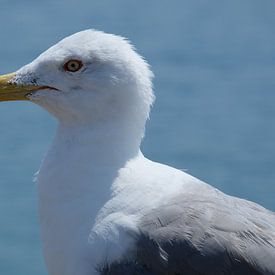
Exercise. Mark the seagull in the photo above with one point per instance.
(106, 209)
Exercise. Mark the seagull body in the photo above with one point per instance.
(106, 209)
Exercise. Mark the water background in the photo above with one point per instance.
(214, 63)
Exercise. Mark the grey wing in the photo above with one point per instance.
(208, 234)
(199, 234)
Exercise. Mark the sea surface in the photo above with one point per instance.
(214, 65)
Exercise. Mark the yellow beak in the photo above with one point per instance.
(11, 91)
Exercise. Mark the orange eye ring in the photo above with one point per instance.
(73, 65)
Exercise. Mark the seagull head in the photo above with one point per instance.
(88, 77)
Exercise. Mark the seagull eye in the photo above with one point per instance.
(73, 65)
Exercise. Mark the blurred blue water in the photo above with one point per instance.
(214, 63)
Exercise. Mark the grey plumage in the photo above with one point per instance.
(125, 268)
(207, 233)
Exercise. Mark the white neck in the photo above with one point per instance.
(74, 182)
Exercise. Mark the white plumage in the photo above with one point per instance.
(95, 187)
